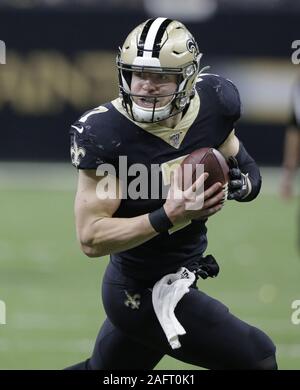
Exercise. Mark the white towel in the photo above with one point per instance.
(166, 293)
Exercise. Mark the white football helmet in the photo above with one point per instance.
(159, 45)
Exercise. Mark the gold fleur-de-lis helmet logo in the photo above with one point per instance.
(77, 153)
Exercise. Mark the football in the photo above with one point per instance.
(214, 164)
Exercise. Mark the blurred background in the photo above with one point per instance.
(60, 61)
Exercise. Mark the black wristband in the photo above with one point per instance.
(160, 221)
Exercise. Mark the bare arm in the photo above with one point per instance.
(100, 234)
(291, 149)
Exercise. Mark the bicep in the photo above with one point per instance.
(96, 198)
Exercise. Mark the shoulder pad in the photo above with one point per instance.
(93, 116)
(225, 92)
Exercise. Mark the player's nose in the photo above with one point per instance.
(149, 85)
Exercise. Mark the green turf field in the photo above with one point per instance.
(51, 290)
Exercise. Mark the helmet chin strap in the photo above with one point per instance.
(148, 115)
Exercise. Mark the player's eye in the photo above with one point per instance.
(166, 78)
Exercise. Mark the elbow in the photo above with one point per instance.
(89, 247)
(90, 251)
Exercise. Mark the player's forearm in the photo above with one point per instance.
(249, 167)
(112, 235)
(291, 150)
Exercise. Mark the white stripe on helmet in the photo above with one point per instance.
(150, 38)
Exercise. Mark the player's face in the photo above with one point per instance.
(152, 85)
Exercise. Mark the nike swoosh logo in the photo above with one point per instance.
(79, 129)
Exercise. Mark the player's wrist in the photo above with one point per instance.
(246, 186)
(160, 220)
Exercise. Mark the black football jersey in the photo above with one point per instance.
(105, 134)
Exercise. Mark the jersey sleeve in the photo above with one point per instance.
(225, 104)
(229, 99)
(226, 95)
(87, 152)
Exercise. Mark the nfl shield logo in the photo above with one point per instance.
(174, 139)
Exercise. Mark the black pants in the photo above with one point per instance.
(132, 338)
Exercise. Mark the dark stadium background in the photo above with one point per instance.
(34, 122)
(60, 62)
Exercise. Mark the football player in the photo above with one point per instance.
(291, 152)
(291, 147)
(167, 108)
